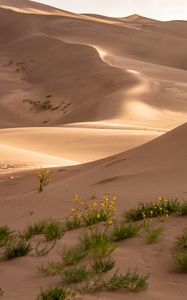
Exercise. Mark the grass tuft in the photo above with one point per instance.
(73, 256)
(5, 234)
(75, 274)
(153, 234)
(16, 248)
(122, 231)
(51, 269)
(103, 265)
(54, 294)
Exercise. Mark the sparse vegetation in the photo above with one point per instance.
(180, 253)
(160, 208)
(153, 234)
(5, 234)
(182, 240)
(16, 248)
(131, 281)
(73, 255)
(51, 269)
(92, 211)
(123, 231)
(103, 265)
(75, 274)
(54, 294)
(44, 176)
(52, 230)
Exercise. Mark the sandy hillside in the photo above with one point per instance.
(102, 101)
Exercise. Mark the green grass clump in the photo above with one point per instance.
(16, 248)
(5, 234)
(50, 228)
(103, 265)
(75, 274)
(73, 223)
(183, 208)
(51, 269)
(121, 231)
(180, 259)
(153, 234)
(73, 256)
(97, 242)
(160, 208)
(131, 281)
(54, 294)
(182, 241)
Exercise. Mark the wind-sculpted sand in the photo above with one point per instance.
(100, 102)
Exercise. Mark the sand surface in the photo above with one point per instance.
(101, 101)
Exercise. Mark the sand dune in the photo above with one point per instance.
(101, 101)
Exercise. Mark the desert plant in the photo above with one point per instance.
(180, 259)
(16, 248)
(103, 265)
(72, 223)
(92, 211)
(44, 176)
(51, 269)
(123, 231)
(182, 209)
(73, 255)
(98, 242)
(160, 208)
(182, 240)
(75, 274)
(153, 234)
(131, 281)
(51, 228)
(5, 234)
(54, 294)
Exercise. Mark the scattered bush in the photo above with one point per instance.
(160, 208)
(122, 231)
(5, 234)
(74, 255)
(73, 223)
(183, 208)
(52, 230)
(75, 274)
(152, 234)
(92, 211)
(54, 294)
(97, 242)
(180, 259)
(16, 248)
(131, 281)
(51, 269)
(182, 240)
(103, 265)
(44, 176)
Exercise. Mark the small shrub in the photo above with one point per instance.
(5, 234)
(74, 255)
(16, 248)
(51, 269)
(44, 176)
(51, 228)
(183, 208)
(131, 281)
(152, 234)
(180, 259)
(182, 241)
(54, 294)
(103, 265)
(160, 208)
(122, 231)
(93, 211)
(73, 223)
(97, 242)
(75, 274)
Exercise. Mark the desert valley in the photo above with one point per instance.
(96, 107)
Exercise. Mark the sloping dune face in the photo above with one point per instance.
(105, 76)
